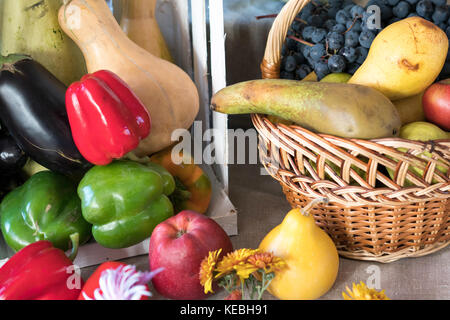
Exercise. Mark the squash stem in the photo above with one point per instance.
(305, 211)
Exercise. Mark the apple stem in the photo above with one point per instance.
(180, 233)
(305, 210)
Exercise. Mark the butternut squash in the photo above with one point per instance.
(139, 23)
(166, 90)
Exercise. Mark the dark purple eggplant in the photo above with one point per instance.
(32, 107)
(12, 157)
(9, 183)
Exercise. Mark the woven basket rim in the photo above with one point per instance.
(270, 131)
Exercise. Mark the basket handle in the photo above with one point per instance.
(270, 66)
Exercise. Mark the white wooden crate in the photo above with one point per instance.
(186, 25)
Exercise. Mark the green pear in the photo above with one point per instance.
(337, 77)
(421, 131)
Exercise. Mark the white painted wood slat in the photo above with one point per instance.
(218, 74)
(200, 57)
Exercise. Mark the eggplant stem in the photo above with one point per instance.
(7, 62)
(13, 58)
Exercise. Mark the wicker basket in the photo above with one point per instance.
(370, 216)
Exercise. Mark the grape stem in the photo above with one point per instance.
(353, 23)
(301, 40)
(273, 15)
(300, 20)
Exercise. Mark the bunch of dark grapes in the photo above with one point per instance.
(335, 36)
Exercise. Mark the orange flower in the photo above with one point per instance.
(207, 268)
(259, 261)
(233, 260)
(266, 261)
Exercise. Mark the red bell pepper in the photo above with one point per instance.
(117, 281)
(39, 272)
(106, 118)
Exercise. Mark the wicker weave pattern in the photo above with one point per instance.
(370, 216)
(381, 233)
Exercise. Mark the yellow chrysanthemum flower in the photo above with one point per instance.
(232, 260)
(362, 292)
(244, 270)
(207, 268)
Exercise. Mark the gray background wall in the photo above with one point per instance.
(246, 39)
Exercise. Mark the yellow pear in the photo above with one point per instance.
(404, 58)
(310, 254)
(310, 77)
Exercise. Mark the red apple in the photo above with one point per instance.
(436, 104)
(179, 244)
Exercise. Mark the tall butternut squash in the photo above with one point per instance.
(139, 23)
(31, 27)
(166, 90)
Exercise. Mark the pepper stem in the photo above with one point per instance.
(305, 210)
(184, 194)
(180, 195)
(75, 239)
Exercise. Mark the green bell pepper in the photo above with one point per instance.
(45, 207)
(124, 201)
(169, 184)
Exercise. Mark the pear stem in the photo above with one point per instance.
(305, 211)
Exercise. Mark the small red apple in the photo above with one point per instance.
(179, 244)
(436, 104)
